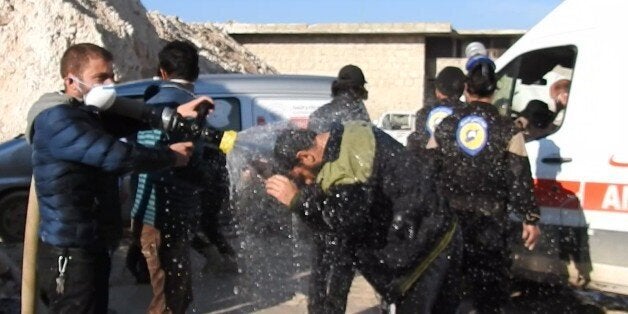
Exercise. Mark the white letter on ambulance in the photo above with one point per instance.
(613, 200)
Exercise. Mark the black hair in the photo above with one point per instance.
(481, 79)
(180, 60)
(288, 144)
(358, 92)
(77, 56)
(450, 82)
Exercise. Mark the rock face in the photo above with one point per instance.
(222, 53)
(34, 34)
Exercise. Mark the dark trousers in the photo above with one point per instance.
(331, 276)
(209, 225)
(175, 260)
(86, 286)
(436, 291)
(486, 262)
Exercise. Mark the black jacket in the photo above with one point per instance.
(483, 165)
(427, 118)
(366, 179)
(344, 107)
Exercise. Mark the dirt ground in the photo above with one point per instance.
(221, 293)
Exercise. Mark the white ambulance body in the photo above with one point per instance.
(580, 168)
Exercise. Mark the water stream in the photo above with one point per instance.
(270, 240)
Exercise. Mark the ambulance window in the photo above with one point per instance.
(526, 82)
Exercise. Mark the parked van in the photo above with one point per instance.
(398, 124)
(580, 165)
(248, 100)
(241, 101)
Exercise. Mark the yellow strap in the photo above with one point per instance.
(228, 141)
(414, 276)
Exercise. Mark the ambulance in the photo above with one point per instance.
(580, 167)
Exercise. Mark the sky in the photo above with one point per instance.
(462, 14)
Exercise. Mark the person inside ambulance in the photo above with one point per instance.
(559, 92)
(482, 170)
(534, 120)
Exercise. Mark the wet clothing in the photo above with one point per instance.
(215, 199)
(483, 170)
(168, 203)
(145, 205)
(77, 158)
(481, 154)
(427, 118)
(345, 106)
(331, 274)
(362, 185)
(436, 291)
(169, 267)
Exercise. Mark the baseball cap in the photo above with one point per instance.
(538, 113)
(351, 74)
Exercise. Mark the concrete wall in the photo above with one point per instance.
(398, 59)
(394, 65)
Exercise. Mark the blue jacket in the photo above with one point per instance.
(76, 159)
(179, 186)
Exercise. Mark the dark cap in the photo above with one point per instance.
(352, 75)
(450, 81)
(537, 113)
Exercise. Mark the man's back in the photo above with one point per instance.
(343, 108)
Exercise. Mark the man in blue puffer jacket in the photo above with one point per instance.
(77, 156)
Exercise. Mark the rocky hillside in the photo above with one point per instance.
(34, 34)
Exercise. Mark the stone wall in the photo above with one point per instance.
(392, 64)
(398, 59)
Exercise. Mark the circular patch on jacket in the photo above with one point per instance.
(472, 134)
(436, 116)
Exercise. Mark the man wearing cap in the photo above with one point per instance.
(347, 105)
(348, 93)
(449, 87)
(535, 120)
